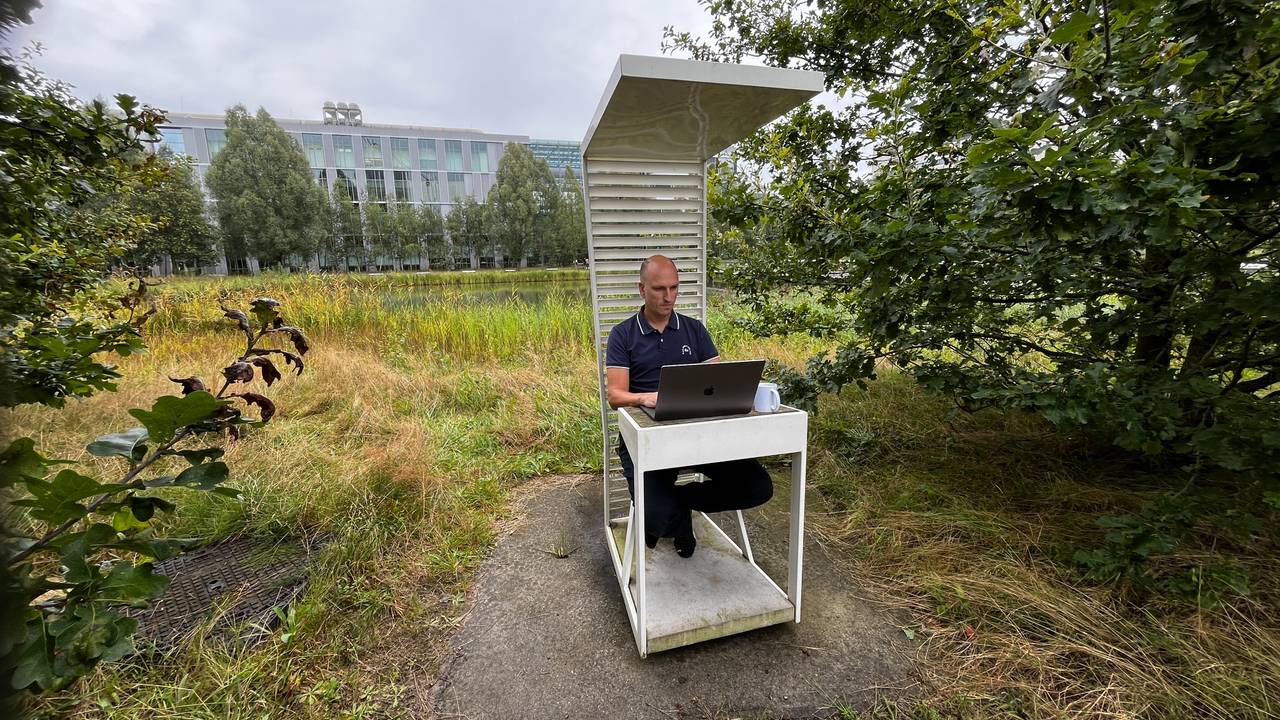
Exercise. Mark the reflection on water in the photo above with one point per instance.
(533, 295)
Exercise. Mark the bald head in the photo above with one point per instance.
(659, 286)
(655, 263)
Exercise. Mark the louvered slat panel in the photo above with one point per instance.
(606, 324)
(675, 216)
(689, 235)
(635, 167)
(619, 315)
(658, 229)
(635, 209)
(637, 255)
(633, 303)
(654, 245)
(627, 266)
(626, 285)
(657, 181)
(595, 192)
(644, 203)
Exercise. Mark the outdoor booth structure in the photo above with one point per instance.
(643, 163)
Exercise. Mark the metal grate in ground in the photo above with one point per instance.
(243, 579)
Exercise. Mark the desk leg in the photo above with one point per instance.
(628, 547)
(642, 621)
(795, 567)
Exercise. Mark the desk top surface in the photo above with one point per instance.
(643, 421)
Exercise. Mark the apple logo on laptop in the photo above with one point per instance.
(711, 390)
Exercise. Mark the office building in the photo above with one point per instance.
(375, 162)
(559, 154)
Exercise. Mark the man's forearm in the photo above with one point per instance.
(622, 398)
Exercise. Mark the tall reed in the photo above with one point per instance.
(447, 321)
(277, 281)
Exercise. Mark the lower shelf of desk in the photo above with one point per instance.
(715, 593)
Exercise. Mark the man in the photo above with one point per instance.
(638, 348)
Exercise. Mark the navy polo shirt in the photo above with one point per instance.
(636, 346)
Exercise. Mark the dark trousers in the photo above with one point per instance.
(732, 485)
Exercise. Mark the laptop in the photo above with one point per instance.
(705, 390)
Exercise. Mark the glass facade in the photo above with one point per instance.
(411, 168)
(453, 155)
(559, 154)
(173, 139)
(216, 140)
(457, 187)
(400, 154)
(403, 191)
(372, 152)
(375, 186)
(480, 157)
(430, 187)
(427, 154)
(313, 145)
(343, 154)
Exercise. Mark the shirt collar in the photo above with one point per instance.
(646, 328)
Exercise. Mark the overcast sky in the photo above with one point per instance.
(528, 67)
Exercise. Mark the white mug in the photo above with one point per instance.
(767, 399)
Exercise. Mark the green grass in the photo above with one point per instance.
(278, 281)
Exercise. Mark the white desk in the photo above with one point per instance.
(673, 601)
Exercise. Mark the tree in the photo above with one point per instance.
(431, 235)
(376, 230)
(548, 212)
(515, 204)
(1063, 207)
(568, 240)
(399, 232)
(268, 204)
(468, 229)
(58, 238)
(725, 240)
(171, 201)
(346, 226)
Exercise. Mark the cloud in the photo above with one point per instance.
(534, 68)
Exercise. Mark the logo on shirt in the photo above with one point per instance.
(684, 350)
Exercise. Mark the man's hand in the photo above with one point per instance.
(617, 380)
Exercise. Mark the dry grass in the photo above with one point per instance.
(968, 524)
(399, 444)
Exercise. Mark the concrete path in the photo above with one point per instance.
(548, 637)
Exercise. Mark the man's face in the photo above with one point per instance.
(659, 289)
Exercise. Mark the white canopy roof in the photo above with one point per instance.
(658, 108)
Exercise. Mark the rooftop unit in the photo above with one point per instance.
(342, 113)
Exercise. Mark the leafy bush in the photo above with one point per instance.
(77, 575)
(63, 166)
(1057, 207)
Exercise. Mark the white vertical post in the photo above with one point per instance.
(702, 250)
(795, 567)
(595, 339)
(627, 547)
(746, 542)
(642, 620)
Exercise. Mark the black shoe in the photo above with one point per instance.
(685, 545)
(650, 540)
